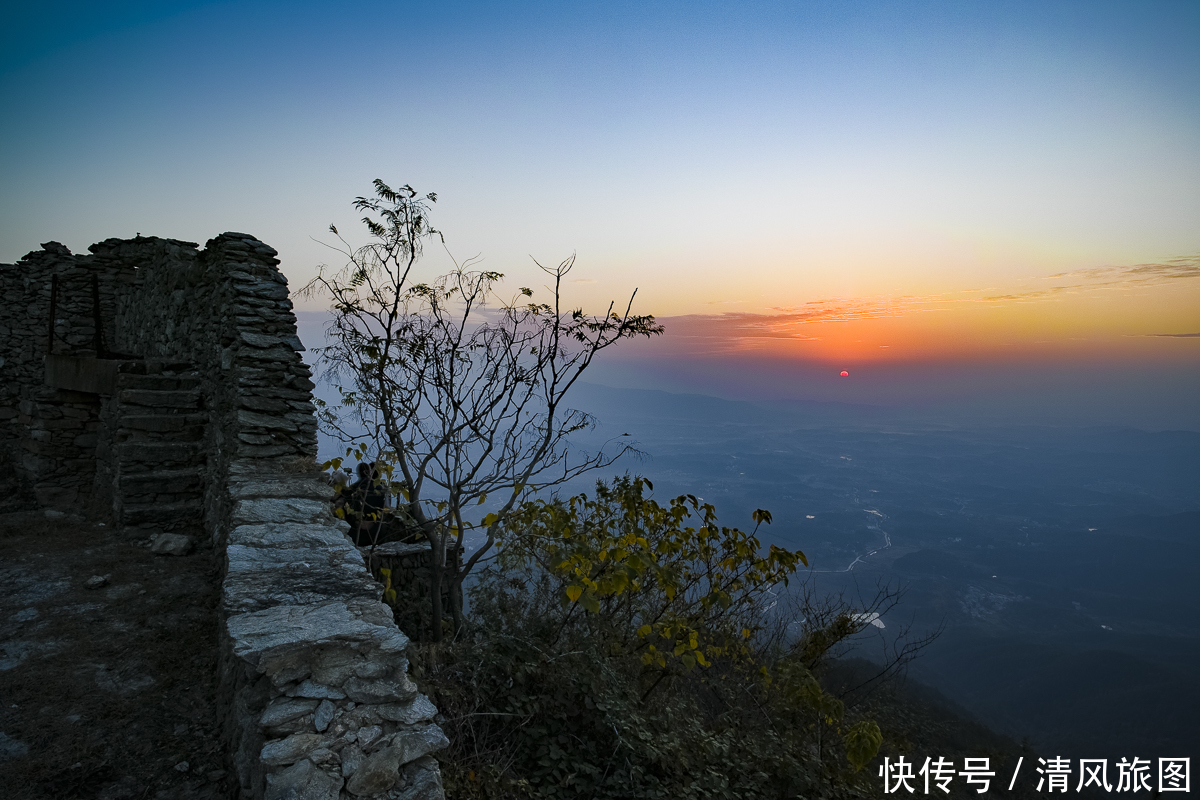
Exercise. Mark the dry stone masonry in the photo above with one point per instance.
(161, 385)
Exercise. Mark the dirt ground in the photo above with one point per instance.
(106, 692)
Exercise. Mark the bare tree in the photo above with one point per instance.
(458, 394)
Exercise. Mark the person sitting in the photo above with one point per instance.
(367, 502)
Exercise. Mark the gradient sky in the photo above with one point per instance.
(800, 186)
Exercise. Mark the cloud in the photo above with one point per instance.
(1174, 268)
(1102, 278)
(786, 322)
(1174, 335)
(741, 330)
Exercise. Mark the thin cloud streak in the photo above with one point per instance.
(1173, 335)
(1100, 278)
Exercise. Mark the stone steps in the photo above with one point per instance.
(155, 367)
(159, 382)
(159, 455)
(161, 428)
(179, 399)
(159, 449)
(169, 516)
(182, 480)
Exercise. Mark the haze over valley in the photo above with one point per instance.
(1060, 560)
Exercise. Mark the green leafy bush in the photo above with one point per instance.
(617, 651)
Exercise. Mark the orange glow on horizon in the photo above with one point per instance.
(1127, 323)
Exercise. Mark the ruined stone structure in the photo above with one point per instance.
(161, 385)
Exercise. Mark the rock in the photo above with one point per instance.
(55, 515)
(283, 710)
(303, 781)
(310, 488)
(417, 742)
(422, 780)
(383, 691)
(96, 581)
(182, 766)
(172, 544)
(352, 758)
(419, 710)
(290, 509)
(258, 339)
(318, 691)
(334, 666)
(270, 639)
(323, 755)
(292, 535)
(289, 750)
(371, 669)
(367, 736)
(377, 773)
(324, 715)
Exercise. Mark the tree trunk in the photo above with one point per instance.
(456, 611)
(437, 569)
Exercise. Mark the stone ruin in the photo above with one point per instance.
(161, 386)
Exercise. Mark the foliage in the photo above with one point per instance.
(623, 649)
(457, 393)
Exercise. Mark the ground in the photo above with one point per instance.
(107, 692)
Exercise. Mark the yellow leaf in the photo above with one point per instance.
(644, 631)
(574, 592)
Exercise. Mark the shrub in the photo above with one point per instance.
(617, 651)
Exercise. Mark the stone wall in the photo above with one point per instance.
(48, 433)
(193, 408)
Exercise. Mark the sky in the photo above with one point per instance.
(957, 203)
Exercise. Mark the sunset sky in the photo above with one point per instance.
(938, 198)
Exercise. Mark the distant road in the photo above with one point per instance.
(875, 526)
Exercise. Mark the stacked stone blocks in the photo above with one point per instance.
(210, 427)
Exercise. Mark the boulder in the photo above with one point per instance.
(172, 544)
